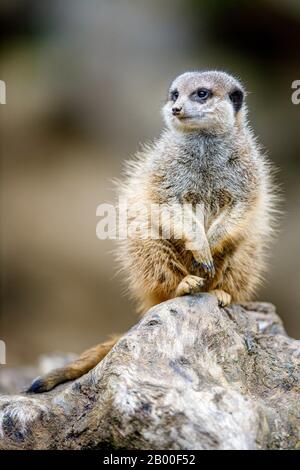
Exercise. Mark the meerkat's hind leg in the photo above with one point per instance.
(189, 285)
(86, 361)
(224, 299)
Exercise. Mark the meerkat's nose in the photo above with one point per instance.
(176, 110)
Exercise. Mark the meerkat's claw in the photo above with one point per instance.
(189, 285)
(223, 297)
(195, 264)
(208, 267)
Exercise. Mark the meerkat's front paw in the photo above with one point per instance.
(189, 285)
(202, 257)
(223, 297)
(204, 260)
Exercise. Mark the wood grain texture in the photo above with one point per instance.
(189, 375)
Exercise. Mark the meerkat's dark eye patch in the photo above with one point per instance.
(174, 94)
(201, 95)
(236, 97)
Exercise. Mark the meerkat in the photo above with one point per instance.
(207, 156)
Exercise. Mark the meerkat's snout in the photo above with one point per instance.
(177, 110)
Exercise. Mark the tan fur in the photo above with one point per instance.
(208, 157)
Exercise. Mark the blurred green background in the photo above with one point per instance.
(85, 83)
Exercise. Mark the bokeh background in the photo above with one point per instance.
(85, 82)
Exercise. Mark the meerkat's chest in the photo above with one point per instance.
(214, 185)
(215, 177)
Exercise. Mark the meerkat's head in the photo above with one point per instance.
(204, 101)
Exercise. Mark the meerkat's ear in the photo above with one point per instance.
(236, 97)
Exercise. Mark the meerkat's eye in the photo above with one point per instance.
(174, 95)
(202, 94)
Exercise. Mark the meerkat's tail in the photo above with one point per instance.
(86, 361)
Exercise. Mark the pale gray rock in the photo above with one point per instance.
(189, 375)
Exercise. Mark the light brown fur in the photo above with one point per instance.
(207, 157)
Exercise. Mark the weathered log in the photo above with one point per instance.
(189, 375)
